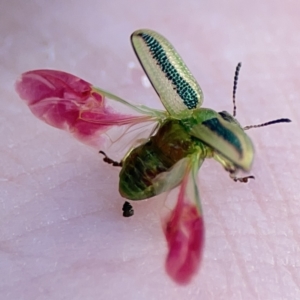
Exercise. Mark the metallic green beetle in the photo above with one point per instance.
(184, 135)
(188, 130)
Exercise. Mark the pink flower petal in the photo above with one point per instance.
(67, 102)
(34, 86)
(184, 232)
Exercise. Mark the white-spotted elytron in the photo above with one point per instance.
(170, 156)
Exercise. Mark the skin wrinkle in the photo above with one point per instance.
(39, 276)
(36, 171)
(240, 261)
(293, 275)
(51, 273)
(233, 245)
(268, 218)
(289, 220)
(267, 241)
(57, 222)
(49, 191)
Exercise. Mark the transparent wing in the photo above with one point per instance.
(184, 227)
(172, 80)
(67, 102)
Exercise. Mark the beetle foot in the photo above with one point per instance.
(110, 161)
(242, 179)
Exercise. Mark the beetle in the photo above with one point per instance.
(170, 155)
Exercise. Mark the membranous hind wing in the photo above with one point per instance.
(170, 77)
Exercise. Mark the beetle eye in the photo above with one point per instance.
(226, 116)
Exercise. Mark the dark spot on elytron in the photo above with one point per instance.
(227, 135)
(183, 89)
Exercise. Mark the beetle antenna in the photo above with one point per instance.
(268, 123)
(235, 81)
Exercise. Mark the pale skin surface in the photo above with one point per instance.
(62, 235)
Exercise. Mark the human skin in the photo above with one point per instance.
(62, 235)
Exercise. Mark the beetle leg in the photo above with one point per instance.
(241, 179)
(110, 161)
(231, 168)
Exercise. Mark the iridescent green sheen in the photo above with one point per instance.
(159, 154)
